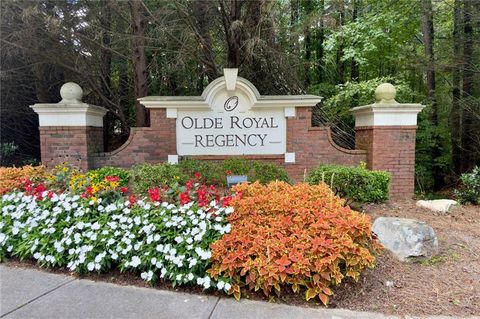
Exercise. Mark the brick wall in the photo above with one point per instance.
(391, 148)
(73, 144)
(145, 144)
(312, 146)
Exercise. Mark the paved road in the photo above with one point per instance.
(27, 293)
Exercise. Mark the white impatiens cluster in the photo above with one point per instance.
(157, 240)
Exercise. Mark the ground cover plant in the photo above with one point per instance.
(292, 236)
(255, 236)
(356, 184)
(93, 226)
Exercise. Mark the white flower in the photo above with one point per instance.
(220, 285)
(147, 276)
(135, 261)
(178, 277)
(206, 282)
(96, 226)
(90, 266)
(114, 256)
(3, 238)
(153, 261)
(227, 286)
(15, 230)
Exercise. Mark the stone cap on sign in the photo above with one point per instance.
(230, 84)
(70, 111)
(386, 111)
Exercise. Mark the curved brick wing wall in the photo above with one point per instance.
(312, 146)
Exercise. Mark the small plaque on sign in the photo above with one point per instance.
(233, 180)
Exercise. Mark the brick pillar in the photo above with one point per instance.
(70, 131)
(387, 130)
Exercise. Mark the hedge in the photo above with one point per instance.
(356, 184)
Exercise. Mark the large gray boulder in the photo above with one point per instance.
(438, 205)
(406, 238)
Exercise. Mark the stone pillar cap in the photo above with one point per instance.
(71, 93)
(385, 93)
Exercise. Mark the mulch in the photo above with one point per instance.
(445, 284)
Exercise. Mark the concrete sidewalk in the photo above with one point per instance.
(27, 293)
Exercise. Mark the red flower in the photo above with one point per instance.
(227, 200)
(111, 178)
(198, 175)
(50, 194)
(132, 199)
(89, 190)
(83, 195)
(124, 189)
(40, 188)
(188, 185)
(212, 188)
(154, 194)
(184, 198)
(228, 172)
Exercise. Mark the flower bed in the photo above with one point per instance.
(99, 229)
(258, 237)
(297, 236)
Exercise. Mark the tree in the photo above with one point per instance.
(139, 60)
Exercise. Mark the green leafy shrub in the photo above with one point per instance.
(268, 172)
(211, 171)
(145, 176)
(215, 172)
(356, 184)
(99, 174)
(469, 192)
(238, 166)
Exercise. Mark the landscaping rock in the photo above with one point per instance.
(406, 238)
(438, 205)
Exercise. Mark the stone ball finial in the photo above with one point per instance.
(385, 92)
(71, 93)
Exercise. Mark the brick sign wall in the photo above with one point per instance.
(232, 119)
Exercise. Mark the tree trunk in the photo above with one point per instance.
(355, 71)
(232, 33)
(339, 62)
(456, 110)
(105, 19)
(428, 40)
(207, 58)
(319, 43)
(468, 132)
(139, 60)
(308, 43)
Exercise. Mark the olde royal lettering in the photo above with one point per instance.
(234, 122)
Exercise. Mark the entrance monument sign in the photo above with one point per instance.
(231, 119)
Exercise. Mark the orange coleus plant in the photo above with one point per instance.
(299, 236)
(12, 177)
